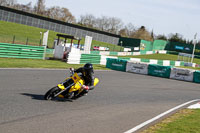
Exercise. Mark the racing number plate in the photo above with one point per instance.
(76, 77)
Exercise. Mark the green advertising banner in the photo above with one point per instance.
(159, 71)
(196, 77)
(116, 64)
(146, 45)
(159, 44)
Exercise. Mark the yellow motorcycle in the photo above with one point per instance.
(69, 88)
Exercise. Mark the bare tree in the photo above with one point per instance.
(26, 8)
(40, 7)
(102, 23)
(128, 30)
(62, 14)
(8, 3)
(176, 38)
(115, 24)
(67, 16)
(109, 24)
(3, 2)
(142, 33)
(87, 20)
(161, 37)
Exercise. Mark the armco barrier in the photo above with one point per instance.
(101, 59)
(21, 51)
(94, 59)
(182, 74)
(116, 64)
(196, 77)
(135, 67)
(112, 53)
(104, 59)
(159, 71)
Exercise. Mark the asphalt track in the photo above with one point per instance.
(120, 102)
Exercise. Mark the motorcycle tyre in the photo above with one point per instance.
(51, 93)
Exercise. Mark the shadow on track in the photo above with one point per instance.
(34, 96)
(41, 97)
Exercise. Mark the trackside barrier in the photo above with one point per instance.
(182, 74)
(21, 51)
(94, 59)
(116, 64)
(101, 59)
(104, 59)
(73, 58)
(111, 53)
(154, 70)
(159, 71)
(196, 77)
(49, 51)
(137, 67)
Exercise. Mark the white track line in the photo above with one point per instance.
(159, 116)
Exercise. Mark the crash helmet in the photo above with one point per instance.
(88, 68)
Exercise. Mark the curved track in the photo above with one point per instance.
(119, 102)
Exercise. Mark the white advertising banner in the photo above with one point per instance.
(136, 53)
(149, 52)
(141, 68)
(122, 53)
(104, 53)
(166, 62)
(177, 63)
(151, 61)
(87, 46)
(162, 52)
(135, 59)
(45, 38)
(59, 51)
(182, 74)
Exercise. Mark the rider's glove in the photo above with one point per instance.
(85, 87)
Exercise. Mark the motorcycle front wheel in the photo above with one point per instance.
(51, 93)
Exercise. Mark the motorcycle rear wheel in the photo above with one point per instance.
(50, 95)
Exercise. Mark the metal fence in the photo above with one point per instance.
(12, 15)
(13, 39)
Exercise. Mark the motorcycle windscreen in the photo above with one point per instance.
(96, 81)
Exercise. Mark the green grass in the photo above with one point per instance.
(185, 121)
(34, 63)
(23, 32)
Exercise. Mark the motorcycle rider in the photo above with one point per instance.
(88, 77)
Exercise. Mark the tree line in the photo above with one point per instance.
(108, 24)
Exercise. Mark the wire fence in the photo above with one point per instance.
(96, 45)
(13, 39)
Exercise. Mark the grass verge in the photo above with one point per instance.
(22, 34)
(34, 63)
(184, 121)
